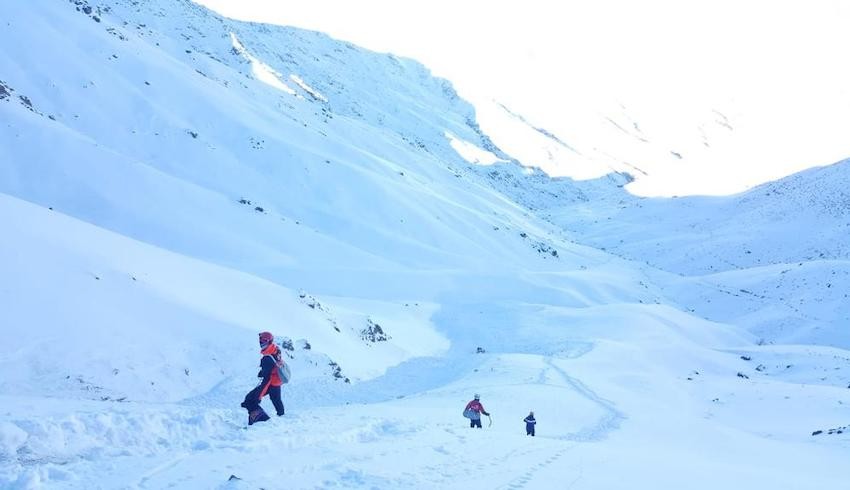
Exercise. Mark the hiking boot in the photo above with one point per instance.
(258, 415)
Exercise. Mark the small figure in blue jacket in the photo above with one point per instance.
(529, 424)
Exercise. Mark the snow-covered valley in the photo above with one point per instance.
(173, 182)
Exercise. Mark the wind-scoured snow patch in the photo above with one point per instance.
(261, 71)
(310, 90)
(470, 152)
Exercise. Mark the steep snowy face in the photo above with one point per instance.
(692, 99)
(274, 150)
(327, 173)
(194, 110)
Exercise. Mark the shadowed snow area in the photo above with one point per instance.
(173, 182)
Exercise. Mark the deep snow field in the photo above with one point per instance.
(173, 182)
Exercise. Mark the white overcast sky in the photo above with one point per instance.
(779, 69)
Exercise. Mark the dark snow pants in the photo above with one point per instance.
(475, 423)
(529, 429)
(252, 399)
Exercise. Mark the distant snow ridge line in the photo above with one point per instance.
(773, 259)
(799, 218)
(92, 435)
(822, 188)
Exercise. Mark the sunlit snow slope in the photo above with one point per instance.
(173, 182)
(775, 259)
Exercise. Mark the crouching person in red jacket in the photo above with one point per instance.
(270, 383)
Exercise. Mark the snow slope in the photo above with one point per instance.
(173, 182)
(799, 218)
(773, 259)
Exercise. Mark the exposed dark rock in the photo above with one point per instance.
(336, 372)
(373, 332)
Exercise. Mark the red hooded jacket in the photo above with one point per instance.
(268, 368)
(476, 406)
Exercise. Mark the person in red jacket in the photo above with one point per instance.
(270, 383)
(473, 411)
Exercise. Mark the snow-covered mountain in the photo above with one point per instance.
(773, 259)
(708, 98)
(173, 182)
